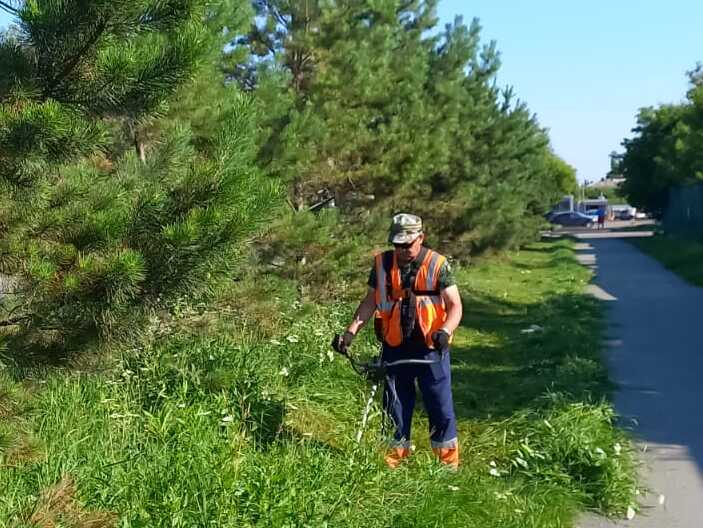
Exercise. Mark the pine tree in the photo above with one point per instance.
(386, 108)
(93, 231)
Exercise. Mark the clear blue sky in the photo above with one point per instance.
(586, 67)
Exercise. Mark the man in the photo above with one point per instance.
(601, 218)
(417, 307)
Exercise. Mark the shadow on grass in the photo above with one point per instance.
(29, 357)
(508, 364)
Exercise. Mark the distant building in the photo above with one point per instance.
(606, 183)
(593, 205)
(565, 205)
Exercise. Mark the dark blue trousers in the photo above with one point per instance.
(434, 382)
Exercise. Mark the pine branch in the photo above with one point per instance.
(15, 321)
(71, 64)
(8, 8)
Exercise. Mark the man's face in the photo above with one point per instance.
(408, 252)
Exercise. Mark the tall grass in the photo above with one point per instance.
(223, 424)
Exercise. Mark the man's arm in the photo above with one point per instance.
(363, 313)
(452, 301)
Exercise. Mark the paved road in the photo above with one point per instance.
(655, 355)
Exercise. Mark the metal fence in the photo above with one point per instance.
(684, 213)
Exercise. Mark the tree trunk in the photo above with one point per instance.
(140, 148)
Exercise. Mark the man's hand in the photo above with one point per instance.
(341, 343)
(440, 339)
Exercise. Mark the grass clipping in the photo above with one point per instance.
(58, 506)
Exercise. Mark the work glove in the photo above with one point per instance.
(341, 343)
(440, 340)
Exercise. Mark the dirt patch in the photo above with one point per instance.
(58, 506)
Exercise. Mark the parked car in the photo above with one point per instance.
(572, 218)
(624, 214)
(552, 214)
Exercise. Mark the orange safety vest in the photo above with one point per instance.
(430, 309)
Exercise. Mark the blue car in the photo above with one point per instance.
(572, 218)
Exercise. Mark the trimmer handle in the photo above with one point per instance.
(336, 342)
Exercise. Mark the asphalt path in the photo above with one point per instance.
(655, 355)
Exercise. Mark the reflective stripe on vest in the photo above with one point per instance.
(430, 309)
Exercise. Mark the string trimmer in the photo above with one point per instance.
(376, 371)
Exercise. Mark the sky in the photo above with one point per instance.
(585, 68)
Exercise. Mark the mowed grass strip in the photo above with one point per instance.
(682, 255)
(228, 429)
(528, 327)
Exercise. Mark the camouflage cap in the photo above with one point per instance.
(405, 228)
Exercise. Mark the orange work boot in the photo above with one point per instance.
(448, 456)
(395, 456)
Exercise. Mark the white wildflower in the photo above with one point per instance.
(494, 472)
(284, 372)
(453, 488)
(617, 448)
(630, 513)
(181, 405)
(492, 463)
(116, 416)
(293, 338)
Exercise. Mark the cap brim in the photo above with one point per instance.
(403, 238)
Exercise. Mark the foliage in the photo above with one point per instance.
(384, 114)
(564, 176)
(666, 150)
(92, 230)
(320, 252)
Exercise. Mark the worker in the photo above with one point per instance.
(417, 308)
(601, 217)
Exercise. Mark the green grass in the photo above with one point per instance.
(222, 422)
(680, 254)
